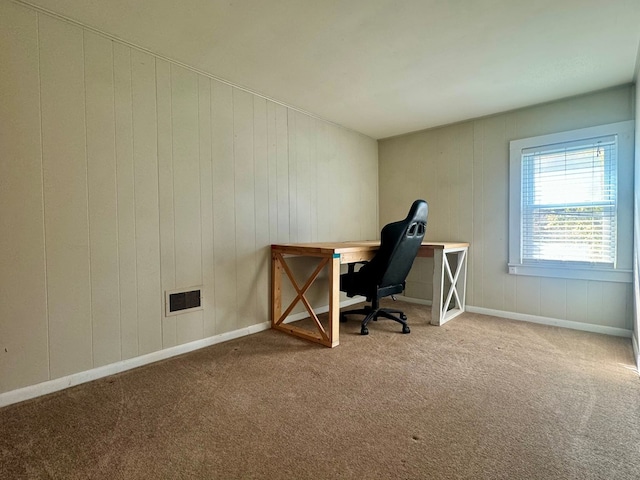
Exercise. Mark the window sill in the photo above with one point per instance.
(598, 274)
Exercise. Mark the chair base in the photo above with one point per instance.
(372, 313)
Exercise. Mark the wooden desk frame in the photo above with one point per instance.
(332, 255)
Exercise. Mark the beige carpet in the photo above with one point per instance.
(479, 398)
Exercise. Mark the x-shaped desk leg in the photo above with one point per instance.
(277, 318)
(440, 312)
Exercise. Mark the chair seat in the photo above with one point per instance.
(353, 285)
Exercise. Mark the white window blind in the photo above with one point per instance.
(569, 203)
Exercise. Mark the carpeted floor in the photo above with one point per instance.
(478, 398)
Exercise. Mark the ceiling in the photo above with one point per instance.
(386, 67)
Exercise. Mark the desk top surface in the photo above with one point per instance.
(352, 246)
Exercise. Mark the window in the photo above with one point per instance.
(569, 194)
(564, 204)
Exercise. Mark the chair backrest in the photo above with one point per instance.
(399, 244)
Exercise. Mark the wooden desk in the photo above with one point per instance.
(332, 255)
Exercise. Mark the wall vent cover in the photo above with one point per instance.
(182, 300)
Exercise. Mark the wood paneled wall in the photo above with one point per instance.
(462, 170)
(123, 175)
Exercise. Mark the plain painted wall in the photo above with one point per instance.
(462, 170)
(123, 175)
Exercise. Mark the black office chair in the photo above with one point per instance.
(387, 271)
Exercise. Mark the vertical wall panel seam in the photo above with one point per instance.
(483, 219)
(275, 132)
(502, 282)
(202, 289)
(155, 70)
(255, 188)
(86, 160)
(233, 197)
(115, 185)
(311, 179)
(274, 235)
(200, 189)
(213, 223)
(173, 173)
(275, 200)
(157, 277)
(309, 188)
(474, 222)
(135, 222)
(461, 196)
(159, 257)
(266, 136)
(377, 156)
(115, 152)
(315, 177)
(473, 219)
(44, 213)
(290, 154)
(288, 173)
(317, 160)
(213, 209)
(483, 206)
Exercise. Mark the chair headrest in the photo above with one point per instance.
(418, 211)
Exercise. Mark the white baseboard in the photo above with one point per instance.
(62, 383)
(419, 301)
(51, 386)
(587, 327)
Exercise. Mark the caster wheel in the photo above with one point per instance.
(406, 329)
(403, 316)
(343, 319)
(364, 331)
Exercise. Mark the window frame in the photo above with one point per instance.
(621, 271)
